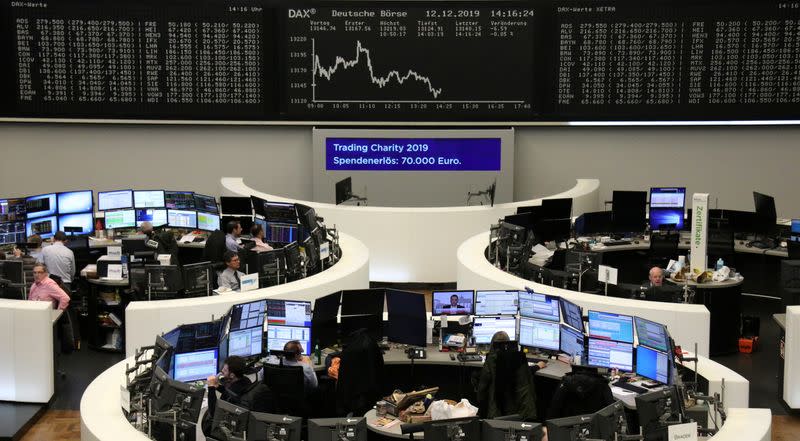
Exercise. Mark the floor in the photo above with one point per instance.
(62, 421)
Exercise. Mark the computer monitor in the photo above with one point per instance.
(609, 421)
(344, 190)
(258, 206)
(610, 326)
(610, 354)
(453, 429)
(71, 222)
(41, 205)
(280, 212)
(156, 216)
(199, 336)
(120, 219)
(503, 430)
(164, 278)
(12, 232)
(182, 218)
(327, 429)
(45, 227)
(288, 312)
(553, 229)
(148, 199)
(571, 341)
(75, 202)
(207, 221)
(629, 210)
(572, 313)
(666, 207)
(248, 315)
(12, 270)
(229, 421)
(205, 203)
(569, 428)
(539, 334)
(179, 200)
(539, 306)
(12, 210)
(594, 223)
(556, 208)
(452, 303)
(168, 394)
(484, 327)
(307, 216)
(741, 221)
(766, 215)
(194, 366)
(279, 335)
(279, 233)
(652, 364)
(270, 427)
(114, 200)
(324, 324)
(496, 302)
(524, 220)
(198, 277)
(651, 334)
(246, 342)
(407, 318)
(657, 409)
(795, 228)
(236, 205)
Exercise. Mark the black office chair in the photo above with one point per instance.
(360, 375)
(506, 386)
(663, 247)
(287, 385)
(582, 392)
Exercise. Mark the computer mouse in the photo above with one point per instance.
(452, 356)
(636, 242)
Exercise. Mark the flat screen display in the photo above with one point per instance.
(496, 302)
(610, 354)
(84, 221)
(572, 313)
(43, 226)
(652, 364)
(207, 221)
(279, 335)
(120, 219)
(571, 341)
(194, 366)
(413, 154)
(205, 203)
(248, 315)
(539, 334)
(148, 198)
(539, 306)
(156, 216)
(41, 205)
(182, 218)
(114, 200)
(610, 326)
(12, 210)
(452, 303)
(483, 328)
(245, 342)
(289, 312)
(179, 200)
(652, 334)
(75, 202)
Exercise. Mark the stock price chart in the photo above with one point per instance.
(410, 62)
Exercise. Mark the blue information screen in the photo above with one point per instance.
(413, 154)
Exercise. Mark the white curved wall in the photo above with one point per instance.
(418, 244)
(688, 324)
(144, 320)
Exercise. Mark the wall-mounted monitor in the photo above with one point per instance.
(41, 205)
(70, 222)
(75, 202)
(666, 208)
(114, 200)
(43, 226)
(148, 198)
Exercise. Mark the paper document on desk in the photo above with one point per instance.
(540, 255)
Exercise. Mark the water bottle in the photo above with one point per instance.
(720, 264)
(317, 354)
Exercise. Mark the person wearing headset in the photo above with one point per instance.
(295, 357)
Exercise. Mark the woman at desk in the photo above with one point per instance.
(257, 233)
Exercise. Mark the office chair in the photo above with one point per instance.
(287, 385)
(663, 247)
(360, 375)
(505, 385)
(793, 248)
(582, 392)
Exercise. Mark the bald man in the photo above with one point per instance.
(656, 276)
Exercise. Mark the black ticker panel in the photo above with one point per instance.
(537, 60)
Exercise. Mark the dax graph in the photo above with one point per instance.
(410, 63)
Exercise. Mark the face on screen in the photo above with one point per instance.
(452, 303)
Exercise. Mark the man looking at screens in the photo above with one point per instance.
(257, 233)
(46, 289)
(147, 229)
(233, 230)
(656, 276)
(231, 277)
(295, 357)
(59, 258)
(231, 383)
(453, 303)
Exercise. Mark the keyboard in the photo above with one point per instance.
(630, 387)
(469, 357)
(613, 243)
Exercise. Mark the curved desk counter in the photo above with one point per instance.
(144, 320)
(409, 244)
(688, 324)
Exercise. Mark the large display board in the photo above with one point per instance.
(498, 62)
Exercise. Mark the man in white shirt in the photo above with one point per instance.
(231, 277)
(233, 230)
(59, 259)
(295, 357)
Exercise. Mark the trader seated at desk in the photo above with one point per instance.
(656, 277)
(295, 357)
(230, 278)
(257, 234)
(231, 384)
(655, 290)
(233, 229)
(46, 289)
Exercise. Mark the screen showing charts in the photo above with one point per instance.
(496, 302)
(12, 210)
(193, 366)
(245, 342)
(289, 312)
(652, 364)
(148, 198)
(205, 203)
(282, 212)
(666, 207)
(248, 315)
(182, 218)
(43, 226)
(114, 200)
(120, 219)
(12, 232)
(41, 205)
(571, 341)
(483, 328)
(281, 233)
(75, 202)
(452, 303)
(411, 62)
(278, 336)
(539, 334)
(156, 216)
(651, 334)
(179, 200)
(207, 221)
(611, 326)
(610, 354)
(84, 221)
(539, 306)
(573, 315)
